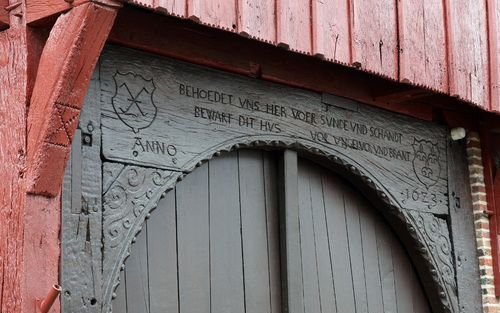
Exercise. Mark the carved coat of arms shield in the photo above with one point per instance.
(426, 162)
(133, 100)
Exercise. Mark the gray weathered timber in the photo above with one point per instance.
(226, 257)
(462, 229)
(215, 271)
(375, 250)
(150, 104)
(160, 133)
(291, 260)
(81, 270)
(162, 257)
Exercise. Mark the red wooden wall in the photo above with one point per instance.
(450, 46)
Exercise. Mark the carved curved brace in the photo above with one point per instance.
(66, 66)
(132, 192)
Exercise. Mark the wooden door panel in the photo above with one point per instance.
(352, 262)
(212, 244)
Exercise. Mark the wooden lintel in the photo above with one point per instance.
(66, 65)
(402, 96)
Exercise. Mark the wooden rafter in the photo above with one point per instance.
(66, 65)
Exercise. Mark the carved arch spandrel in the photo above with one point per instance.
(131, 192)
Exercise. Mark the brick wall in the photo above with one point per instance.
(481, 222)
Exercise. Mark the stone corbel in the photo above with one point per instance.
(65, 68)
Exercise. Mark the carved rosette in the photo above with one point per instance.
(132, 192)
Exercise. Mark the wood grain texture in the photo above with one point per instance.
(13, 65)
(374, 36)
(293, 23)
(365, 34)
(494, 44)
(228, 209)
(422, 42)
(357, 273)
(40, 9)
(216, 13)
(330, 30)
(468, 51)
(260, 111)
(257, 18)
(62, 80)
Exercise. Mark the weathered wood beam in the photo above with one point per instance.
(66, 65)
(39, 9)
(13, 66)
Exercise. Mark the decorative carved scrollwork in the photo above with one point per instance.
(132, 192)
(127, 202)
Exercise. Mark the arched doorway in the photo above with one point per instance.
(213, 245)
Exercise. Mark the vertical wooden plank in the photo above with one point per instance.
(468, 50)
(402, 277)
(293, 23)
(386, 267)
(273, 231)
(162, 256)
(330, 30)
(256, 18)
(290, 235)
(307, 242)
(120, 302)
(462, 228)
(494, 44)
(218, 13)
(370, 256)
(254, 232)
(338, 244)
(374, 36)
(136, 268)
(193, 242)
(355, 250)
(422, 41)
(324, 261)
(226, 264)
(172, 7)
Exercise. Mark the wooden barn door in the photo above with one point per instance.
(213, 245)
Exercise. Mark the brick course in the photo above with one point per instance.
(491, 304)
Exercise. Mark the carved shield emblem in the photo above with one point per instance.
(426, 162)
(133, 100)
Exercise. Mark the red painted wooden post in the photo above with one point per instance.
(422, 42)
(468, 50)
(331, 36)
(216, 13)
(257, 19)
(13, 77)
(494, 41)
(293, 23)
(374, 36)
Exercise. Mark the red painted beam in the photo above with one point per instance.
(66, 65)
